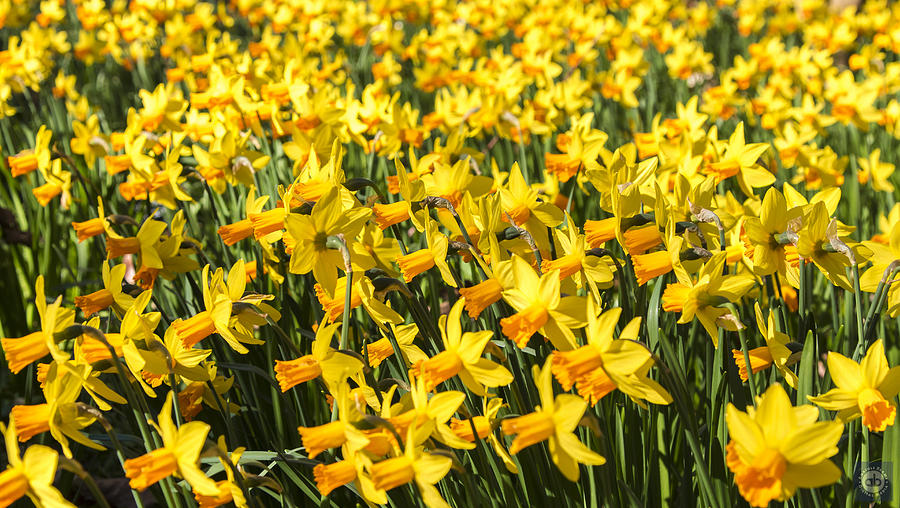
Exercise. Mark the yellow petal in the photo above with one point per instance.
(845, 373)
(811, 444)
(811, 476)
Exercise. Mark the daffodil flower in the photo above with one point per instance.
(179, 455)
(461, 356)
(740, 159)
(30, 160)
(334, 434)
(61, 414)
(235, 232)
(866, 389)
(771, 233)
(329, 217)
(332, 365)
(110, 295)
(362, 293)
(350, 469)
(520, 203)
(31, 475)
(229, 489)
(451, 182)
(575, 262)
(434, 255)
(417, 465)
(554, 420)
(215, 319)
(702, 298)
(819, 242)
(605, 364)
(540, 308)
(382, 349)
(230, 157)
(778, 351)
(248, 310)
(777, 448)
(483, 426)
(21, 352)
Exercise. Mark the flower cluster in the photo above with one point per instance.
(382, 245)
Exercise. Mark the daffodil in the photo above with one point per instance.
(334, 366)
(866, 389)
(230, 157)
(414, 465)
(215, 319)
(777, 448)
(30, 475)
(540, 308)
(523, 207)
(554, 420)
(605, 363)
(233, 233)
(330, 216)
(61, 415)
(778, 351)
(229, 489)
(740, 159)
(435, 254)
(88, 141)
(337, 433)
(111, 295)
(426, 413)
(461, 356)
(483, 427)
(382, 349)
(56, 182)
(451, 182)
(179, 455)
(576, 262)
(769, 234)
(703, 298)
(167, 356)
(31, 160)
(362, 293)
(21, 352)
(350, 469)
(820, 243)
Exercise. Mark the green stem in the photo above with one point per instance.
(860, 332)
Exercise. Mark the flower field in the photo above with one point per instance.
(471, 253)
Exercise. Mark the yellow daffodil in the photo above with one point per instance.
(30, 475)
(179, 455)
(702, 298)
(555, 419)
(332, 365)
(740, 159)
(778, 351)
(461, 356)
(382, 349)
(866, 389)
(329, 217)
(605, 363)
(820, 243)
(777, 448)
(335, 434)
(21, 352)
(417, 465)
(540, 308)
(418, 261)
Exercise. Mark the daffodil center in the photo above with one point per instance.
(760, 482)
(877, 413)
